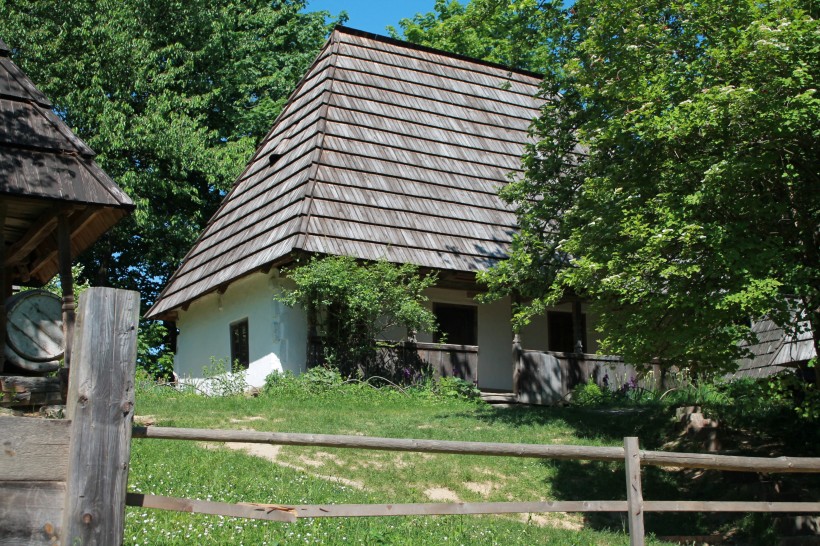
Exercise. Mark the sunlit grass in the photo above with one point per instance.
(305, 475)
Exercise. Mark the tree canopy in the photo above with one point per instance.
(676, 181)
(173, 96)
(510, 32)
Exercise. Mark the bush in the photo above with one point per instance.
(588, 394)
(454, 387)
(350, 304)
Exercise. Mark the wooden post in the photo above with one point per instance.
(577, 329)
(66, 283)
(101, 406)
(634, 496)
(3, 281)
(516, 362)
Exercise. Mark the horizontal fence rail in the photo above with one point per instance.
(635, 506)
(558, 452)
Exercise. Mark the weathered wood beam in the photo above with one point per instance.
(3, 282)
(561, 452)
(35, 235)
(101, 406)
(78, 221)
(33, 449)
(634, 493)
(250, 511)
(384, 444)
(730, 506)
(31, 512)
(275, 512)
(66, 283)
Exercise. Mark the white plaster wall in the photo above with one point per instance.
(277, 335)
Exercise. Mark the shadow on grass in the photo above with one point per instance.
(651, 425)
(656, 429)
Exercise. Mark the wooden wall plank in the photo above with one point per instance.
(33, 449)
(30, 512)
(101, 406)
(634, 493)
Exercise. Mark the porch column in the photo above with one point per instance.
(577, 330)
(66, 282)
(3, 288)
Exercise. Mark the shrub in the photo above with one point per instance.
(350, 304)
(588, 394)
(455, 387)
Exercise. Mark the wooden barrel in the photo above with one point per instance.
(34, 330)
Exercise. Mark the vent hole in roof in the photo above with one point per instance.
(273, 158)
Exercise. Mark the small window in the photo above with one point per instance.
(457, 324)
(559, 330)
(240, 353)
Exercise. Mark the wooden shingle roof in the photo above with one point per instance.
(386, 150)
(45, 171)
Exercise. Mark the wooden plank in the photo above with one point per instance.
(31, 512)
(634, 494)
(593, 453)
(101, 405)
(730, 506)
(245, 510)
(290, 513)
(21, 383)
(66, 283)
(731, 462)
(33, 449)
(4, 282)
(461, 508)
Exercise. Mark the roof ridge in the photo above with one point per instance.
(410, 45)
(302, 231)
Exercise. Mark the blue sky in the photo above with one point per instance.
(373, 16)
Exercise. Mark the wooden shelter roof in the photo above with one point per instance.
(776, 349)
(46, 171)
(385, 150)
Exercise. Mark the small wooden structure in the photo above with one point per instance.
(64, 479)
(55, 201)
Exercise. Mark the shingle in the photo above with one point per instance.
(385, 150)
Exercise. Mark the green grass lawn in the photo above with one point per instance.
(302, 475)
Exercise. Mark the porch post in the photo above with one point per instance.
(3, 280)
(577, 330)
(66, 283)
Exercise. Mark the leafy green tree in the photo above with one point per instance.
(173, 96)
(509, 32)
(676, 182)
(351, 304)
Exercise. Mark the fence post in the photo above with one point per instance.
(100, 404)
(634, 496)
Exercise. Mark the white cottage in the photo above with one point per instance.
(385, 150)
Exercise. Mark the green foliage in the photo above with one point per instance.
(587, 394)
(509, 32)
(350, 304)
(675, 181)
(151, 355)
(316, 380)
(455, 387)
(79, 283)
(173, 96)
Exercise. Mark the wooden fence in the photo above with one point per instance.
(64, 480)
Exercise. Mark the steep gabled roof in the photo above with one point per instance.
(385, 150)
(46, 170)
